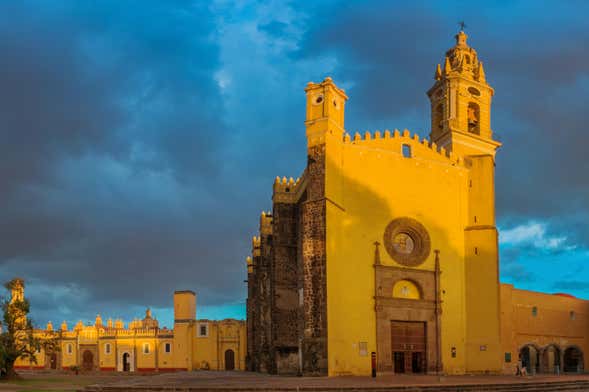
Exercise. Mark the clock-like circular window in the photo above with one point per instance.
(407, 241)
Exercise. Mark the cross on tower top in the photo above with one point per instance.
(462, 25)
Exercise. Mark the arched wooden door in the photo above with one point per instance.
(87, 360)
(229, 360)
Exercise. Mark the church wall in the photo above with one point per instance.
(69, 359)
(165, 360)
(552, 323)
(209, 351)
(108, 361)
(146, 361)
(377, 184)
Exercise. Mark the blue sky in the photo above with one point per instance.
(141, 139)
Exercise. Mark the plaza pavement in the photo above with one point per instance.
(244, 381)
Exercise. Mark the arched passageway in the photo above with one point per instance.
(126, 362)
(530, 357)
(229, 360)
(550, 360)
(87, 360)
(573, 360)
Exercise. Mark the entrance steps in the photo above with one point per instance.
(524, 386)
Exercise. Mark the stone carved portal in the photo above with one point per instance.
(406, 330)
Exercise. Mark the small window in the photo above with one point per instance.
(507, 357)
(572, 315)
(406, 150)
(70, 348)
(168, 347)
(203, 330)
(439, 117)
(535, 311)
(145, 348)
(474, 91)
(474, 115)
(107, 348)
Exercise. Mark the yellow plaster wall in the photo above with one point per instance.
(223, 335)
(165, 360)
(551, 325)
(107, 360)
(68, 360)
(205, 347)
(369, 183)
(146, 361)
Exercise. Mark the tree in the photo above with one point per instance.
(17, 339)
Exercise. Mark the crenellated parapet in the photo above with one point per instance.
(288, 190)
(256, 243)
(404, 144)
(266, 223)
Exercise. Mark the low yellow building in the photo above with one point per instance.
(387, 245)
(143, 346)
(547, 332)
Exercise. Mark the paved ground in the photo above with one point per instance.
(202, 380)
(244, 380)
(61, 381)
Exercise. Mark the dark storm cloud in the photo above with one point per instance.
(139, 142)
(111, 134)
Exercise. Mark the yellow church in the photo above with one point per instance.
(142, 346)
(386, 247)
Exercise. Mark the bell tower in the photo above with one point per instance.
(461, 103)
(461, 122)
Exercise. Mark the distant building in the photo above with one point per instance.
(387, 244)
(144, 346)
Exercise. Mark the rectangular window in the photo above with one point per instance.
(168, 347)
(406, 150)
(107, 348)
(70, 348)
(203, 330)
(145, 348)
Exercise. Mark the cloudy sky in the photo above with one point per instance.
(140, 138)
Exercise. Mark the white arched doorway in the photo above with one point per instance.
(126, 361)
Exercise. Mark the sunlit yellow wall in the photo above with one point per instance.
(108, 361)
(369, 183)
(551, 325)
(184, 329)
(146, 361)
(222, 335)
(68, 359)
(25, 363)
(205, 347)
(165, 360)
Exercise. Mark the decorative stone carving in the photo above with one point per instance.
(407, 241)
